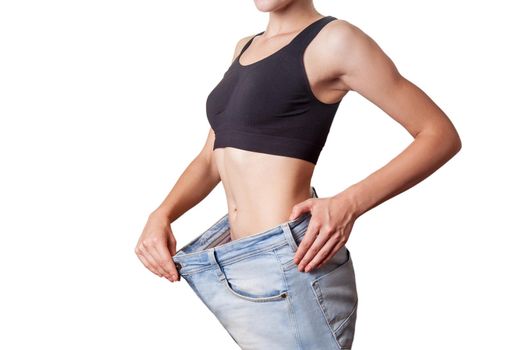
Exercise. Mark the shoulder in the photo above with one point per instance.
(353, 53)
(340, 37)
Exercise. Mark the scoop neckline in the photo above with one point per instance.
(238, 60)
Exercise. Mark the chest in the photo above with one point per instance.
(253, 94)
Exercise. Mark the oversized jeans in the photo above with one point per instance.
(255, 290)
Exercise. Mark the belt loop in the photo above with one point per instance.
(289, 236)
(213, 261)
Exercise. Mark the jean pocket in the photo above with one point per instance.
(258, 278)
(336, 295)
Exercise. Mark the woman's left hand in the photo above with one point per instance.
(328, 230)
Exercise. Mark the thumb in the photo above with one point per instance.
(299, 208)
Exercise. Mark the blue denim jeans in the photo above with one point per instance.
(254, 289)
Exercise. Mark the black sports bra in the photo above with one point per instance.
(269, 107)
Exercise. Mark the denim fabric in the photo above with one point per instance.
(255, 290)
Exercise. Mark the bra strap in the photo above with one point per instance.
(301, 41)
(248, 43)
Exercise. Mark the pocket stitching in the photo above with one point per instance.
(334, 270)
(290, 263)
(277, 297)
(343, 324)
(319, 298)
(281, 296)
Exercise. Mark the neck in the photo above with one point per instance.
(291, 18)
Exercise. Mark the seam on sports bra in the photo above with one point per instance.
(226, 130)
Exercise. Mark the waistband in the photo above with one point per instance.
(207, 250)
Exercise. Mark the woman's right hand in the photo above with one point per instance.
(157, 245)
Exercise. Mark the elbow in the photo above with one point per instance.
(447, 140)
(459, 144)
(450, 137)
(455, 142)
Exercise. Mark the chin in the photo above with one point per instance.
(271, 5)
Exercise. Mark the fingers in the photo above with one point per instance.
(300, 208)
(155, 255)
(321, 254)
(148, 261)
(310, 236)
(330, 255)
(166, 262)
(172, 249)
(320, 246)
(317, 246)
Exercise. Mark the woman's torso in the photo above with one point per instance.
(269, 129)
(261, 189)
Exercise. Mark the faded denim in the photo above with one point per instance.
(255, 290)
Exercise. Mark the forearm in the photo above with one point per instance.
(195, 183)
(428, 152)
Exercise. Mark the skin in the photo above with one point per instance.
(341, 58)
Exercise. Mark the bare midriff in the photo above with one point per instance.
(260, 188)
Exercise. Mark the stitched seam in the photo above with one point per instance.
(254, 299)
(292, 315)
(246, 256)
(230, 130)
(347, 319)
(334, 270)
(234, 260)
(291, 264)
(319, 297)
(279, 296)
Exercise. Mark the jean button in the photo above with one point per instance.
(177, 265)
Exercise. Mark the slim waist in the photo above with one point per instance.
(195, 256)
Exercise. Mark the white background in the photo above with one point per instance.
(102, 106)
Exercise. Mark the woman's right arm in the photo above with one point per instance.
(195, 183)
(157, 244)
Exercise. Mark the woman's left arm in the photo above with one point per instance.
(363, 67)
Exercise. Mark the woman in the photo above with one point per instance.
(275, 270)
